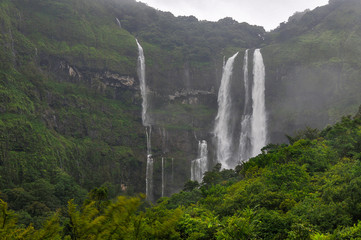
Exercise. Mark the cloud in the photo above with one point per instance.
(266, 13)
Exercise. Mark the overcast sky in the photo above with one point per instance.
(266, 13)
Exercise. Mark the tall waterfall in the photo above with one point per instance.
(259, 119)
(222, 132)
(245, 145)
(200, 165)
(150, 163)
(143, 86)
(145, 120)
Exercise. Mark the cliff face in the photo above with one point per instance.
(313, 68)
(69, 73)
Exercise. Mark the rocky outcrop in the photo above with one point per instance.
(191, 94)
(116, 80)
(111, 79)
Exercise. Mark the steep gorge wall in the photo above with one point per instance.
(313, 69)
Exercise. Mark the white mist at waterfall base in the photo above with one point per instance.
(200, 165)
(222, 132)
(259, 117)
(245, 144)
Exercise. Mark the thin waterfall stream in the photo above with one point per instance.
(146, 123)
(200, 165)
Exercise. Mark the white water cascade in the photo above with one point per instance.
(143, 86)
(145, 120)
(118, 22)
(222, 132)
(150, 163)
(200, 165)
(245, 145)
(259, 118)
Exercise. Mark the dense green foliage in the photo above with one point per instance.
(193, 40)
(309, 189)
(90, 42)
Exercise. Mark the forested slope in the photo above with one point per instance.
(308, 189)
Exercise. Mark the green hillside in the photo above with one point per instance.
(308, 189)
(313, 67)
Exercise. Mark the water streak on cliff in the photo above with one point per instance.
(150, 163)
(200, 165)
(118, 22)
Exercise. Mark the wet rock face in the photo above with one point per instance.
(177, 113)
(71, 73)
(67, 70)
(116, 80)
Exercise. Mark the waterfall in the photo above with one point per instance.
(143, 87)
(149, 178)
(163, 133)
(120, 25)
(150, 163)
(246, 82)
(148, 133)
(163, 179)
(200, 165)
(145, 121)
(259, 119)
(222, 132)
(245, 141)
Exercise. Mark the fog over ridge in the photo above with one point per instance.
(268, 14)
